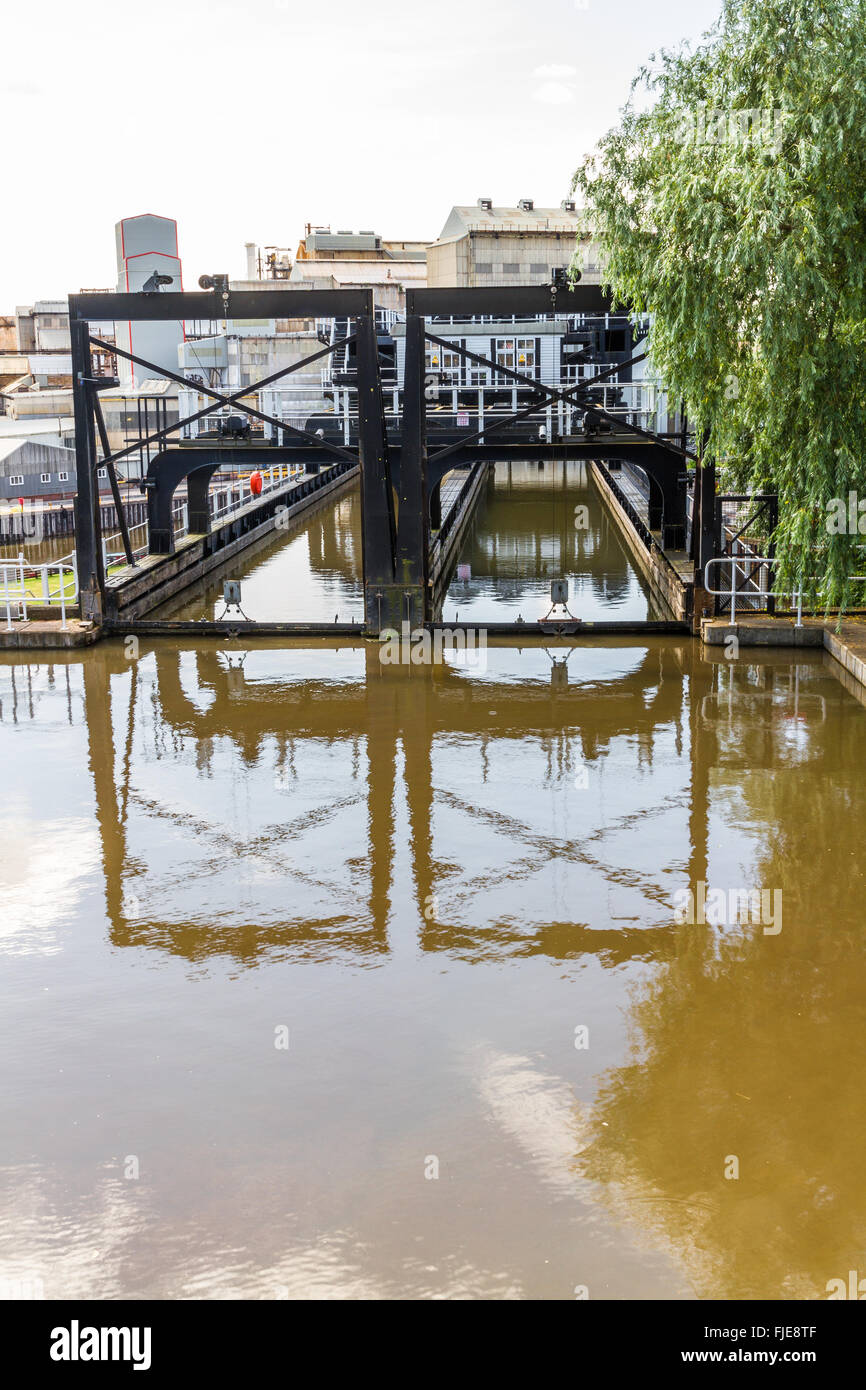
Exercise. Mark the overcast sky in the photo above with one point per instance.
(244, 122)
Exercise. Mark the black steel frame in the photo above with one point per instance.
(168, 469)
(421, 472)
(399, 486)
(767, 505)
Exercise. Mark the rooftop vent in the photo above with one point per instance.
(366, 233)
(345, 231)
(568, 205)
(486, 204)
(526, 204)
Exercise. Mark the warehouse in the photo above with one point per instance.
(36, 468)
(522, 245)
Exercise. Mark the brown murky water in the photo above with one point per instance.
(326, 977)
(528, 530)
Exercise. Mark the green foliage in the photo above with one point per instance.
(751, 255)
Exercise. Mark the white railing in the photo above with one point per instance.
(113, 552)
(239, 494)
(560, 418)
(740, 563)
(53, 584)
(226, 497)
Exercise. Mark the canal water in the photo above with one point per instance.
(539, 522)
(323, 976)
(535, 523)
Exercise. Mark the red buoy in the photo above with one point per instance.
(256, 483)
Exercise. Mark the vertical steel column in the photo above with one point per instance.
(413, 527)
(88, 548)
(99, 418)
(708, 546)
(771, 577)
(704, 540)
(382, 607)
(197, 498)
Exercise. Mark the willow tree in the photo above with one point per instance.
(730, 203)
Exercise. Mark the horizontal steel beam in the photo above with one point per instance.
(509, 299)
(208, 304)
(529, 633)
(146, 627)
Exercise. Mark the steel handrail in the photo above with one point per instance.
(731, 593)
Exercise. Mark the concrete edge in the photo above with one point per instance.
(664, 583)
(783, 632)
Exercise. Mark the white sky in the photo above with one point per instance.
(376, 114)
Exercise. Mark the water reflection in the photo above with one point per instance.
(309, 574)
(538, 522)
(324, 743)
(433, 878)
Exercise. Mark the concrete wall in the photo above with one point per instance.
(448, 263)
(481, 258)
(39, 405)
(664, 583)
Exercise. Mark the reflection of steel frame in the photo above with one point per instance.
(419, 711)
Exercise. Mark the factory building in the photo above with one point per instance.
(38, 347)
(328, 260)
(489, 245)
(360, 260)
(37, 467)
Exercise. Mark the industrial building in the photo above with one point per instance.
(326, 260)
(39, 467)
(488, 245)
(34, 346)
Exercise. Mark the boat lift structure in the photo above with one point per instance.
(400, 475)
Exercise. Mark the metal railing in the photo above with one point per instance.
(755, 571)
(113, 553)
(746, 523)
(634, 516)
(741, 563)
(238, 493)
(226, 498)
(23, 586)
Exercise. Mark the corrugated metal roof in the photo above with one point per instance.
(9, 447)
(27, 428)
